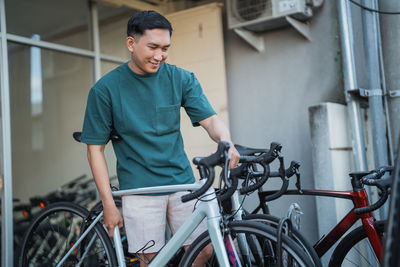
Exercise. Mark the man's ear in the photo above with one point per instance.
(130, 43)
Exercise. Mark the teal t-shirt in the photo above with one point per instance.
(145, 111)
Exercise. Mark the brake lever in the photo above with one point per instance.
(298, 183)
(226, 169)
(281, 165)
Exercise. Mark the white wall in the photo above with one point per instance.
(269, 94)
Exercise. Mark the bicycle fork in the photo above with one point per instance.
(372, 234)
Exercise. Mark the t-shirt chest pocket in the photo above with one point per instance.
(167, 119)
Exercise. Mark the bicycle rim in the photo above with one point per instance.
(356, 250)
(296, 235)
(260, 239)
(55, 230)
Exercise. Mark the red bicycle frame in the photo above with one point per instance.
(359, 198)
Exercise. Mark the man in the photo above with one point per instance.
(141, 100)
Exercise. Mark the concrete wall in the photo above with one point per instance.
(332, 161)
(269, 94)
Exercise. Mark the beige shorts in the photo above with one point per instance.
(145, 219)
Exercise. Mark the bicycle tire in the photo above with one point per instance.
(358, 241)
(253, 231)
(296, 235)
(53, 232)
(392, 245)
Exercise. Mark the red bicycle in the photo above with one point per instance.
(352, 249)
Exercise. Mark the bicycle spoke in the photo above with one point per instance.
(364, 254)
(54, 233)
(351, 262)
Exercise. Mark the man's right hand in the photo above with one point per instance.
(112, 218)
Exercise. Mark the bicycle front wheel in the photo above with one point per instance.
(296, 235)
(55, 230)
(259, 239)
(356, 250)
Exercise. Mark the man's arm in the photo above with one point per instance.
(97, 161)
(217, 131)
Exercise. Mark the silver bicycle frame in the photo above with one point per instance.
(207, 208)
(238, 214)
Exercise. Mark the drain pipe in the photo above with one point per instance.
(350, 84)
(386, 95)
(375, 92)
(391, 58)
(371, 48)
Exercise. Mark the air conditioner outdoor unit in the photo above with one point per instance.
(264, 15)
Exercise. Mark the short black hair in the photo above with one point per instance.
(147, 20)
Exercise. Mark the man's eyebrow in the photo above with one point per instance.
(157, 45)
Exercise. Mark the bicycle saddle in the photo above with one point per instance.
(245, 151)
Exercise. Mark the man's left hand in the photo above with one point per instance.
(234, 156)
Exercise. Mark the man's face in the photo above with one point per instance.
(149, 51)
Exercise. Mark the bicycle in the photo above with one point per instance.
(233, 210)
(104, 254)
(371, 230)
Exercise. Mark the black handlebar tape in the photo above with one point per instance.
(274, 174)
(239, 170)
(251, 159)
(203, 189)
(259, 183)
(213, 159)
(272, 154)
(374, 179)
(228, 193)
(209, 163)
(370, 179)
(283, 174)
(377, 204)
(284, 187)
(289, 172)
(386, 182)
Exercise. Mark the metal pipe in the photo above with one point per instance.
(371, 49)
(350, 83)
(391, 58)
(94, 25)
(62, 48)
(51, 46)
(7, 231)
(385, 96)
